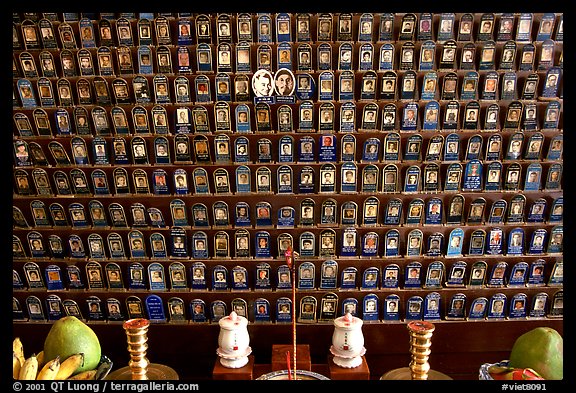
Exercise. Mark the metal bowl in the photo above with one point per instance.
(282, 375)
(484, 374)
(103, 368)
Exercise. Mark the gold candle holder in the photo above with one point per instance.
(139, 367)
(420, 343)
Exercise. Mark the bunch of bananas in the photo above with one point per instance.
(34, 367)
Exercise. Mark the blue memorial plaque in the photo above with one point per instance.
(473, 176)
(556, 210)
(532, 181)
(497, 306)
(555, 244)
(392, 308)
(536, 274)
(348, 177)
(456, 275)
(392, 243)
(515, 242)
(156, 277)
(393, 212)
(410, 117)
(457, 308)
(412, 275)
(155, 309)
(477, 241)
(370, 279)
(349, 242)
(306, 272)
(538, 307)
(427, 53)
(370, 308)
(412, 182)
(348, 278)
(283, 310)
(494, 242)
(497, 276)
(431, 116)
(329, 274)
(434, 212)
(478, 309)
(390, 276)
(550, 88)
(452, 147)
(158, 246)
(432, 307)
(435, 244)
(455, 243)
(414, 310)
(434, 275)
(53, 276)
(307, 245)
(551, 116)
(370, 245)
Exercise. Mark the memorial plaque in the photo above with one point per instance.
(477, 274)
(262, 243)
(306, 273)
(262, 279)
(155, 309)
(391, 245)
(557, 305)
(413, 150)
(432, 307)
(198, 311)
(392, 147)
(556, 210)
(284, 278)
(393, 212)
(158, 246)
(431, 116)
(219, 278)
(239, 278)
(198, 277)
(328, 243)
(349, 242)
(307, 245)
(477, 241)
(307, 212)
(538, 306)
(557, 275)
(412, 184)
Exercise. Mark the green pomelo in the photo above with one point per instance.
(541, 349)
(69, 336)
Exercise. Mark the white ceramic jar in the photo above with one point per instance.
(348, 341)
(233, 341)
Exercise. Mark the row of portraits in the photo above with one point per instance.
(285, 87)
(373, 212)
(34, 31)
(346, 178)
(229, 58)
(326, 118)
(198, 277)
(371, 308)
(345, 242)
(202, 149)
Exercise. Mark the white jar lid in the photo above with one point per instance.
(348, 322)
(233, 321)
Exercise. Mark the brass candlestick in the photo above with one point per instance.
(139, 368)
(420, 343)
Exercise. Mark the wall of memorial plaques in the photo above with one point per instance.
(163, 164)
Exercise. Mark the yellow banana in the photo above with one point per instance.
(40, 358)
(50, 370)
(29, 369)
(69, 366)
(18, 349)
(84, 375)
(16, 366)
